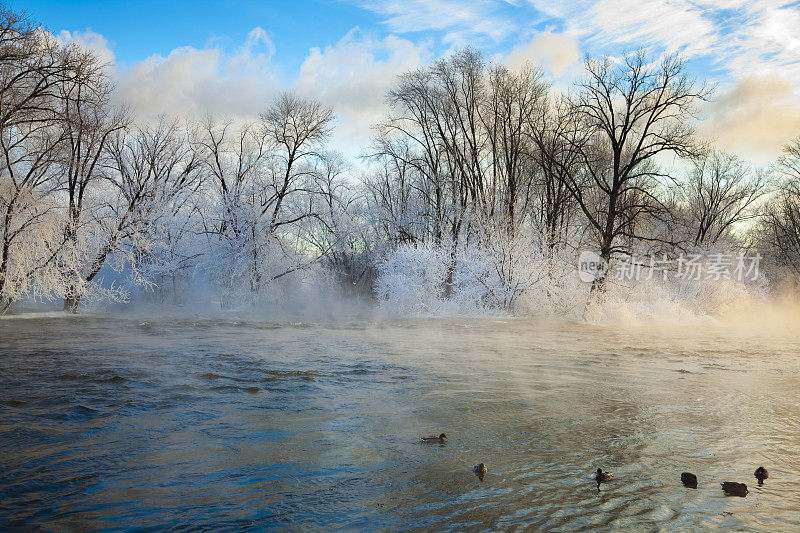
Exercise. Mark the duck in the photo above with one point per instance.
(602, 477)
(480, 470)
(761, 474)
(689, 479)
(732, 488)
(437, 440)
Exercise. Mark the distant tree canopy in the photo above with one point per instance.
(495, 177)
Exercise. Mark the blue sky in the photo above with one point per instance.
(229, 57)
(136, 30)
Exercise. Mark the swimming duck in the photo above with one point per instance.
(732, 488)
(689, 479)
(438, 440)
(602, 477)
(480, 470)
(761, 474)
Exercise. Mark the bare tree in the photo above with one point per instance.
(232, 160)
(511, 108)
(779, 231)
(414, 162)
(632, 111)
(720, 193)
(556, 139)
(405, 202)
(297, 128)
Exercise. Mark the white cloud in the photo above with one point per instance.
(755, 45)
(353, 77)
(674, 25)
(254, 55)
(743, 37)
(459, 21)
(89, 40)
(557, 52)
(755, 118)
(768, 43)
(195, 82)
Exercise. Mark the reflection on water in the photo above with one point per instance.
(232, 424)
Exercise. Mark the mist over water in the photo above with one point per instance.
(237, 422)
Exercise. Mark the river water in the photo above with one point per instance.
(227, 423)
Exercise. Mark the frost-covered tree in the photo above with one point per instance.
(87, 121)
(478, 188)
(454, 161)
(233, 165)
(259, 176)
(146, 211)
(33, 68)
(339, 230)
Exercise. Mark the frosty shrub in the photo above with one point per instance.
(411, 280)
(499, 274)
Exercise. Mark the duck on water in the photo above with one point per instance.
(602, 477)
(434, 440)
(732, 488)
(761, 474)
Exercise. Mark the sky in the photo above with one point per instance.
(230, 58)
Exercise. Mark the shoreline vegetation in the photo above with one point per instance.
(477, 195)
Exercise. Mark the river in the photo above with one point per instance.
(197, 422)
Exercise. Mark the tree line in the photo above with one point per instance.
(499, 175)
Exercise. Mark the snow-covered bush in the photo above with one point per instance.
(411, 280)
(497, 274)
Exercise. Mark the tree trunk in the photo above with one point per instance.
(71, 301)
(599, 283)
